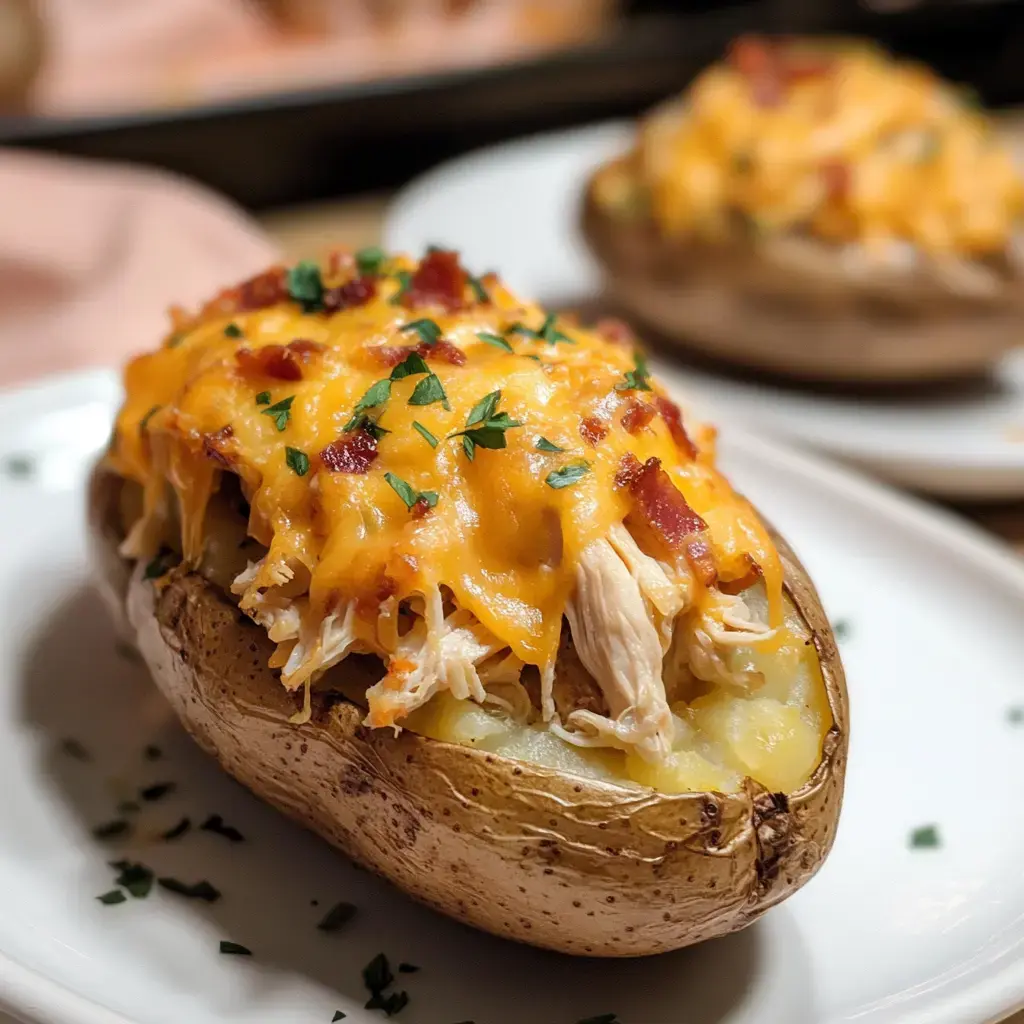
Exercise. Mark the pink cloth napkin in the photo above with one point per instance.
(92, 255)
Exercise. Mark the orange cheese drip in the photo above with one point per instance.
(500, 537)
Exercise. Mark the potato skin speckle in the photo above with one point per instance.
(518, 850)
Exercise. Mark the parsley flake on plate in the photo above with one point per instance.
(338, 1015)
(297, 460)
(199, 891)
(926, 837)
(1015, 716)
(74, 749)
(601, 1018)
(157, 791)
(111, 898)
(567, 475)
(234, 949)
(280, 412)
(177, 831)
(340, 914)
(233, 331)
(152, 752)
(215, 823)
(112, 829)
(136, 878)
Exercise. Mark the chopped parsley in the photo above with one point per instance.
(548, 331)
(280, 412)
(298, 460)
(428, 330)
(544, 445)
(126, 651)
(263, 398)
(20, 467)
(485, 426)
(495, 339)
(338, 1015)
(567, 475)
(234, 949)
(157, 791)
(362, 421)
(635, 379)
(841, 628)
(404, 278)
(144, 422)
(128, 807)
(1015, 716)
(377, 977)
(340, 914)
(112, 829)
(412, 364)
(428, 391)
(111, 898)
(177, 831)
(370, 260)
(425, 434)
(74, 749)
(477, 288)
(404, 968)
(306, 287)
(925, 838)
(199, 891)
(136, 878)
(408, 494)
(152, 753)
(233, 331)
(215, 823)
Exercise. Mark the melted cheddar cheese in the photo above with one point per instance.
(835, 140)
(503, 536)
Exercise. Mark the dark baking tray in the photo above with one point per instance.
(293, 147)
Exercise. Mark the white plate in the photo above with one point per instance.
(514, 208)
(885, 933)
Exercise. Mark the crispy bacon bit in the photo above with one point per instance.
(420, 509)
(340, 260)
(835, 175)
(274, 361)
(444, 350)
(673, 418)
(618, 332)
(304, 348)
(593, 430)
(352, 454)
(637, 415)
(440, 280)
(357, 292)
(390, 355)
(266, 289)
(770, 67)
(662, 507)
(214, 446)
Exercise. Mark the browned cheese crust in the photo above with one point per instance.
(795, 306)
(519, 850)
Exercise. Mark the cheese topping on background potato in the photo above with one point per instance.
(437, 473)
(831, 139)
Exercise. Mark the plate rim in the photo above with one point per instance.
(34, 997)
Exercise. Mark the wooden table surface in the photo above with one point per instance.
(310, 231)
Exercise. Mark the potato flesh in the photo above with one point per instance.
(772, 734)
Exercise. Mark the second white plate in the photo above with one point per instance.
(514, 208)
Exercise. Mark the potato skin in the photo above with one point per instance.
(794, 308)
(518, 850)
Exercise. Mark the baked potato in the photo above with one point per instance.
(453, 583)
(817, 210)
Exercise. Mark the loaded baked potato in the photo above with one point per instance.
(820, 210)
(452, 582)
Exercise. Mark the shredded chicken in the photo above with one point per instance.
(704, 642)
(436, 654)
(620, 647)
